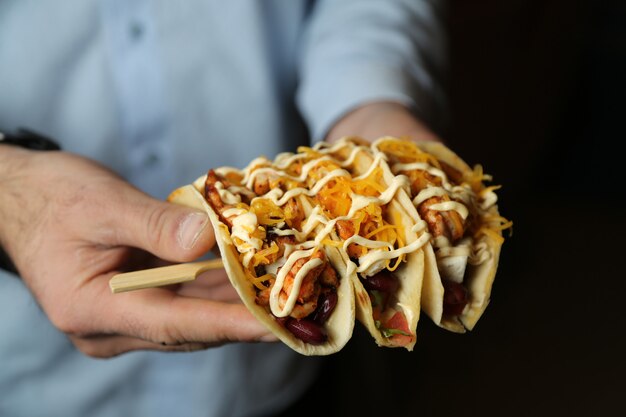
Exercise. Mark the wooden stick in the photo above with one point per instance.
(166, 275)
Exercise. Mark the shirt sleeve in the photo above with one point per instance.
(360, 51)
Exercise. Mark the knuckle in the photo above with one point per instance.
(165, 335)
(171, 336)
(153, 329)
(156, 225)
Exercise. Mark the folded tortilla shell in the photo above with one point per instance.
(409, 274)
(340, 324)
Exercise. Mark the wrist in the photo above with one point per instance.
(14, 162)
(373, 120)
(15, 148)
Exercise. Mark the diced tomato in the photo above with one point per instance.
(398, 322)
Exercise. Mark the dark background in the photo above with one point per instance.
(537, 91)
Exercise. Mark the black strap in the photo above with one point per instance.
(6, 263)
(29, 139)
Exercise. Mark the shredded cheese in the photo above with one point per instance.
(267, 212)
(405, 151)
(261, 257)
(399, 260)
(496, 236)
(258, 281)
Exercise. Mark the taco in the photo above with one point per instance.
(356, 199)
(298, 287)
(465, 227)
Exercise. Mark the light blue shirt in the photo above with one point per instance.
(160, 91)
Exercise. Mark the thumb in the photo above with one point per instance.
(169, 231)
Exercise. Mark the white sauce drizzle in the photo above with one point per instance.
(369, 264)
(297, 282)
(480, 254)
(488, 197)
(455, 192)
(449, 206)
(286, 161)
(462, 197)
(246, 223)
(419, 226)
(226, 196)
(421, 166)
(306, 168)
(427, 193)
(280, 198)
(224, 171)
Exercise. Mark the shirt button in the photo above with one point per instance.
(152, 159)
(135, 30)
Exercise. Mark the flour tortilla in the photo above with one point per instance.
(478, 279)
(409, 274)
(341, 322)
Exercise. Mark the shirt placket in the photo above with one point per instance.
(132, 46)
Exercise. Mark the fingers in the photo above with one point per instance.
(155, 319)
(169, 231)
(162, 317)
(105, 346)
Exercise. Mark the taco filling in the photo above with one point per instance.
(371, 233)
(293, 278)
(460, 212)
(351, 212)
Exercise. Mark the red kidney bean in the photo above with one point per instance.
(383, 281)
(281, 320)
(306, 330)
(325, 306)
(454, 297)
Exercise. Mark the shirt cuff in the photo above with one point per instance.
(336, 92)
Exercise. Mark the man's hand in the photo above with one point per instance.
(371, 121)
(69, 225)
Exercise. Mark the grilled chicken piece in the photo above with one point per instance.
(213, 197)
(294, 214)
(309, 292)
(442, 223)
(345, 228)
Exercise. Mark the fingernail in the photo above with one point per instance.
(191, 228)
